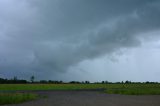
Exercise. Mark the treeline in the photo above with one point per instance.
(15, 80)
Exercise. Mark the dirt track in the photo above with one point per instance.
(90, 98)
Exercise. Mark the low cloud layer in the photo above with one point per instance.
(46, 37)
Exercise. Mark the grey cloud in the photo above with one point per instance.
(51, 36)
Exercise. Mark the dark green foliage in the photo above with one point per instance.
(74, 82)
(15, 98)
(87, 82)
(32, 79)
(12, 81)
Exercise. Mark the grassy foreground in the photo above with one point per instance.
(14, 98)
(129, 89)
(135, 91)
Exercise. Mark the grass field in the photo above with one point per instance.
(14, 98)
(127, 89)
(130, 89)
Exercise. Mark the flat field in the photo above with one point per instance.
(129, 89)
(18, 93)
(90, 98)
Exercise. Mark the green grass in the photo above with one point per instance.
(134, 91)
(15, 98)
(129, 89)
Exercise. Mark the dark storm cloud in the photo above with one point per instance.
(45, 36)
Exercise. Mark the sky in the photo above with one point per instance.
(94, 40)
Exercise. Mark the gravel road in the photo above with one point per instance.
(90, 98)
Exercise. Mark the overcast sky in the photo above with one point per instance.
(79, 40)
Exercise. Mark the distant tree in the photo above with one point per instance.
(74, 82)
(32, 79)
(117, 82)
(2, 81)
(87, 82)
(15, 78)
(43, 81)
(61, 82)
(50, 81)
(106, 82)
(128, 82)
